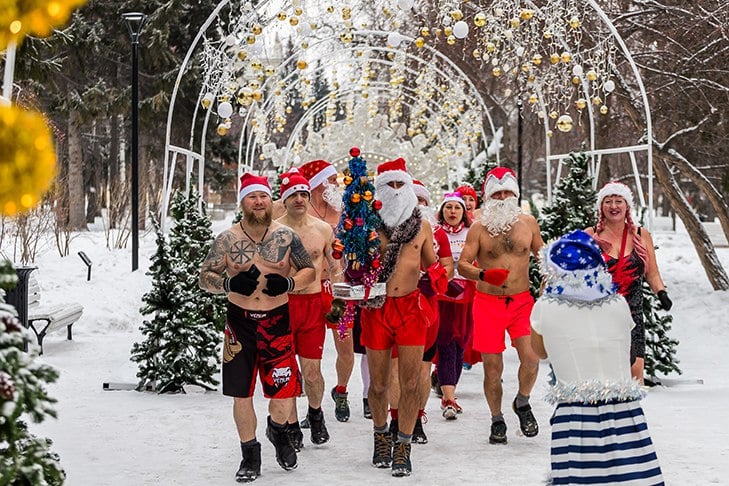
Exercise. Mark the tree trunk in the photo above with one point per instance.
(705, 249)
(76, 191)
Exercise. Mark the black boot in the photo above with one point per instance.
(296, 436)
(319, 433)
(250, 466)
(285, 452)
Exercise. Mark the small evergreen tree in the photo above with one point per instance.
(181, 341)
(573, 202)
(24, 458)
(660, 349)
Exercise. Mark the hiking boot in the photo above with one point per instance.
(527, 421)
(382, 457)
(435, 385)
(285, 452)
(319, 433)
(394, 430)
(296, 436)
(401, 465)
(449, 409)
(304, 424)
(366, 408)
(419, 436)
(498, 433)
(341, 405)
(250, 466)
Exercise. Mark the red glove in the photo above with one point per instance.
(494, 276)
(438, 278)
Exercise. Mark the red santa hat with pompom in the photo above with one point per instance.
(392, 170)
(421, 190)
(292, 182)
(316, 172)
(251, 183)
(500, 179)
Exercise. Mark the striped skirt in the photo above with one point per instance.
(603, 443)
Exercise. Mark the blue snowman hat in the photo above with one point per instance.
(576, 251)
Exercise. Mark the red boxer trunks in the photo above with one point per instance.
(399, 321)
(493, 315)
(307, 324)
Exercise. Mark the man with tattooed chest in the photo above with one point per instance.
(257, 262)
(503, 238)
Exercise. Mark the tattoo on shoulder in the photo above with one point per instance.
(275, 247)
(300, 258)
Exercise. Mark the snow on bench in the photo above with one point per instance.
(43, 320)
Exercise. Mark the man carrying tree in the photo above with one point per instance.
(257, 262)
(309, 305)
(502, 239)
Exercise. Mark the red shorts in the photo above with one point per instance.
(307, 324)
(493, 315)
(399, 321)
(430, 307)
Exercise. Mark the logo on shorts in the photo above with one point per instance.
(257, 315)
(281, 376)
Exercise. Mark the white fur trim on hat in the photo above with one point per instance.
(422, 191)
(615, 189)
(322, 176)
(393, 175)
(492, 184)
(451, 197)
(297, 188)
(253, 188)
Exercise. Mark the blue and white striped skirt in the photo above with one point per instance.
(603, 443)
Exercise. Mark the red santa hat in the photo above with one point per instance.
(317, 171)
(392, 170)
(467, 190)
(500, 179)
(421, 190)
(251, 183)
(615, 189)
(292, 182)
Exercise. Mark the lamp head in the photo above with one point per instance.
(135, 22)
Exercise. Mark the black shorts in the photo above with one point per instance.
(259, 342)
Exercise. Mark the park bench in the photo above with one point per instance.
(43, 320)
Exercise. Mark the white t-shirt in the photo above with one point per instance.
(585, 343)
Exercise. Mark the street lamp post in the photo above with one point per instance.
(519, 148)
(135, 21)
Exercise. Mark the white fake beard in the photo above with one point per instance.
(397, 204)
(428, 214)
(498, 215)
(332, 195)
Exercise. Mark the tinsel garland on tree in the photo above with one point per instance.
(357, 240)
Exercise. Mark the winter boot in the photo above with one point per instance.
(382, 457)
(401, 465)
(341, 405)
(296, 436)
(285, 452)
(319, 433)
(250, 466)
(498, 433)
(527, 421)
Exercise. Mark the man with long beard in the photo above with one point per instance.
(326, 204)
(503, 238)
(257, 262)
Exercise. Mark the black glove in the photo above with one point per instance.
(277, 284)
(244, 283)
(336, 312)
(666, 303)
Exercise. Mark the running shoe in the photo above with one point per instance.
(527, 421)
(341, 405)
(498, 433)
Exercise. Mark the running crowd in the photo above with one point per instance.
(457, 281)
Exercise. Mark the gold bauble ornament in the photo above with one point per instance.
(419, 42)
(479, 19)
(451, 39)
(250, 39)
(27, 159)
(425, 31)
(269, 71)
(448, 31)
(346, 37)
(490, 46)
(496, 72)
(591, 75)
(581, 103)
(554, 58)
(526, 14)
(597, 101)
(298, 11)
(301, 64)
(514, 22)
(304, 45)
(537, 59)
(294, 21)
(256, 65)
(604, 109)
(330, 9)
(574, 22)
(281, 16)
(257, 29)
(456, 15)
(242, 55)
(564, 123)
(477, 53)
(346, 13)
(576, 80)
(553, 115)
(257, 95)
(566, 57)
(533, 98)
(222, 129)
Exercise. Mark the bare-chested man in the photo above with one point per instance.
(257, 262)
(309, 305)
(326, 205)
(406, 241)
(503, 238)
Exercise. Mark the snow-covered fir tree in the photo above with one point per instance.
(660, 348)
(181, 340)
(573, 201)
(24, 458)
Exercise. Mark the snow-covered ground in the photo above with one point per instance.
(130, 438)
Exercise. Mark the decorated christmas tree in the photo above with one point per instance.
(357, 240)
(181, 340)
(24, 458)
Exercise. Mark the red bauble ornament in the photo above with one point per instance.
(376, 263)
(377, 204)
(337, 254)
(354, 152)
(359, 221)
(348, 224)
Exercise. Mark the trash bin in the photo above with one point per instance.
(18, 297)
